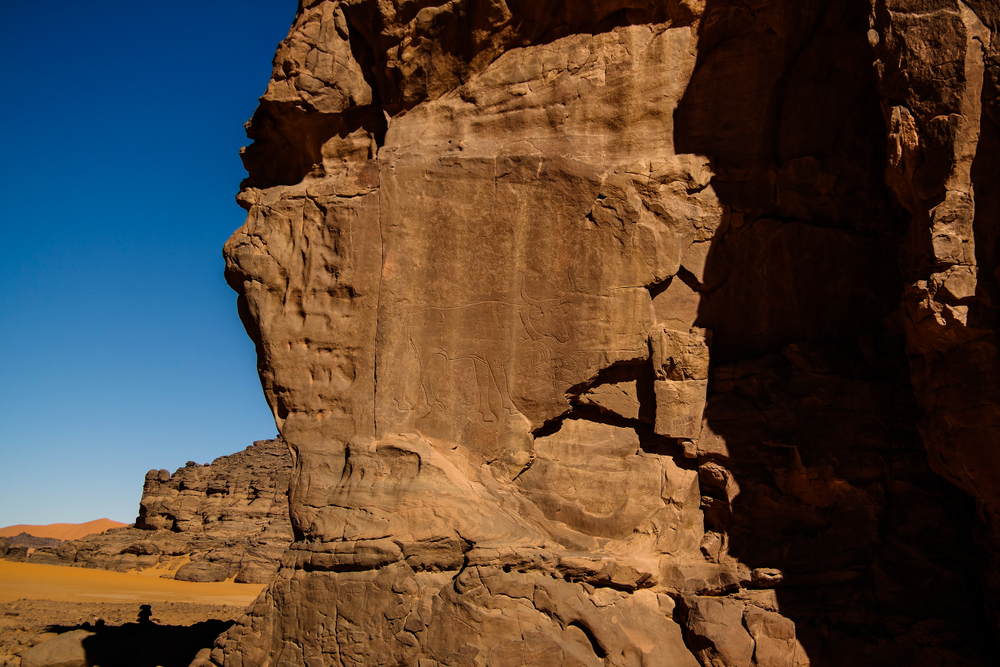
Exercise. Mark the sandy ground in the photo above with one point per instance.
(39, 601)
(62, 531)
(76, 584)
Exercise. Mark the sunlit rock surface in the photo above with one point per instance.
(628, 333)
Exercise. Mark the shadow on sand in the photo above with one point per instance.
(145, 643)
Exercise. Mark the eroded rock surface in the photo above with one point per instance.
(207, 522)
(621, 333)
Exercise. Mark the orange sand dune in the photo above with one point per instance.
(75, 584)
(62, 531)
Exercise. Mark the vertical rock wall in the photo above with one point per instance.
(587, 325)
(937, 77)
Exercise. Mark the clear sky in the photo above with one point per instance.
(120, 345)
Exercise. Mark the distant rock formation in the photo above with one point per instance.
(626, 332)
(19, 547)
(228, 519)
(31, 541)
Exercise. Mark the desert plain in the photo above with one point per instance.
(40, 602)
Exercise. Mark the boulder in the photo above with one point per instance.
(65, 650)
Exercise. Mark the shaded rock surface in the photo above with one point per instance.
(65, 650)
(628, 332)
(203, 523)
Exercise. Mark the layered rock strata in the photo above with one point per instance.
(612, 333)
(224, 520)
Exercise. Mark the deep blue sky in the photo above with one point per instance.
(120, 346)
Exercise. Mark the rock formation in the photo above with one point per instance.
(627, 332)
(203, 523)
(29, 541)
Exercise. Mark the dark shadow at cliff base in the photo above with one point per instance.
(984, 313)
(810, 406)
(146, 644)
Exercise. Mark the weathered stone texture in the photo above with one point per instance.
(601, 332)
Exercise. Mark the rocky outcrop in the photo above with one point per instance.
(20, 547)
(30, 541)
(227, 519)
(627, 333)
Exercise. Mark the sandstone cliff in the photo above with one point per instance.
(629, 332)
(222, 520)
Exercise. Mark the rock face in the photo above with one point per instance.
(628, 332)
(203, 523)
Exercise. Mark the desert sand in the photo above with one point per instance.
(74, 584)
(62, 531)
(39, 601)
